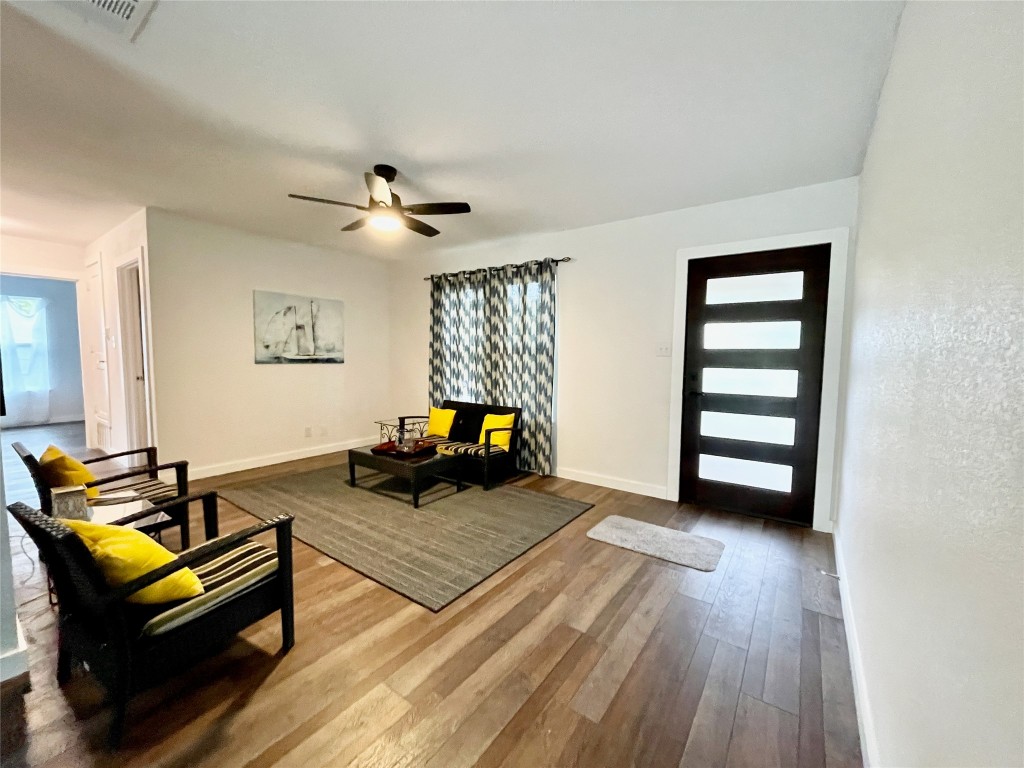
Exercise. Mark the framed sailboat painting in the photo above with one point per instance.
(297, 329)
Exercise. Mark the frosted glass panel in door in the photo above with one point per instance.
(759, 474)
(781, 286)
(745, 426)
(766, 382)
(772, 335)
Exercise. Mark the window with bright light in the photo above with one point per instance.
(24, 343)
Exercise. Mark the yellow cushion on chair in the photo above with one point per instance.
(124, 554)
(440, 421)
(59, 469)
(494, 421)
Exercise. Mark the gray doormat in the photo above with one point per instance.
(431, 555)
(665, 543)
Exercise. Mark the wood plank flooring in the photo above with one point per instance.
(576, 654)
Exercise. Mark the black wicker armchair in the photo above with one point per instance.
(128, 647)
(144, 481)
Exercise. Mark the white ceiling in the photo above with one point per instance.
(543, 116)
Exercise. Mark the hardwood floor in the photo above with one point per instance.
(576, 654)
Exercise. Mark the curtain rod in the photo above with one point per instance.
(450, 275)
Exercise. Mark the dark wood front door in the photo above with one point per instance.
(755, 342)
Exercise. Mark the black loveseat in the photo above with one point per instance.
(483, 463)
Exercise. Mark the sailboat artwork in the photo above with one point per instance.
(298, 329)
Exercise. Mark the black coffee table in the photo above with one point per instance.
(416, 471)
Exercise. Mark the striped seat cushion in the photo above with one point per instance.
(222, 576)
(468, 449)
(147, 488)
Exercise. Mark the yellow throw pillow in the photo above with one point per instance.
(124, 554)
(494, 421)
(440, 422)
(59, 469)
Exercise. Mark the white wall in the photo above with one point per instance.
(65, 362)
(215, 406)
(13, 648)
(615, 308)
(39, 258)
(929, 533)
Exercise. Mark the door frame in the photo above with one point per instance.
(828, 427)
(112, 271)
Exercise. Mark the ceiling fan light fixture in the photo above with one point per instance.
(384, 210)
(385, 222)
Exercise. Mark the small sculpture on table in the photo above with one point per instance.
(70, 502)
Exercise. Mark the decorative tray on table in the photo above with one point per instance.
(419, 449)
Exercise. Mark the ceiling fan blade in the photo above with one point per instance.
(432, 209)
(379, 190)
(357, 224)
(329, 202)
(419, 226)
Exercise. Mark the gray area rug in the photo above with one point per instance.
(433, 554)
(669, 544)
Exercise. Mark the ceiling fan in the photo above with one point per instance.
(385, 210)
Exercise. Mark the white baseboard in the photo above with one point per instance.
(14, 662)
(67, 418)
(865, 717)
(607, 481)
(253, 462)
(10, 422)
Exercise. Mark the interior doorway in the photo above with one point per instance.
(753, 366)
(133, 355)
(40, 357)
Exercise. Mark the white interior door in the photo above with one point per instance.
(92, 331)
(133, 355)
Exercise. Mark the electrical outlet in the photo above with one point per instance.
(663, 350)
(309, 431)
(323, 431)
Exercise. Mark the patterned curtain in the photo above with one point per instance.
(492, 340)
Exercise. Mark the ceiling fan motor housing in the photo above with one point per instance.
(386, 172)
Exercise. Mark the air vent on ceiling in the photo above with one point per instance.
(123, 9)
(123, 16)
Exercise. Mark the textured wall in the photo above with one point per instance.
(930, 520)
